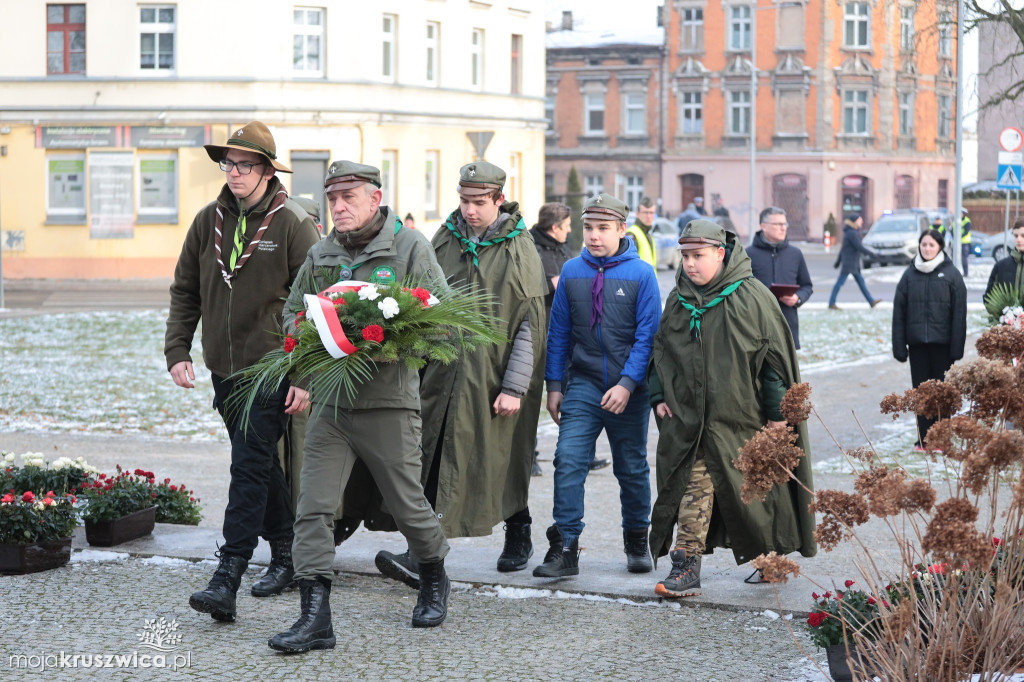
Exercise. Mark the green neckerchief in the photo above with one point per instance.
(697, 313)
(470, 247)
(239, 242)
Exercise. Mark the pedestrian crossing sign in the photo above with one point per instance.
(1009, 176)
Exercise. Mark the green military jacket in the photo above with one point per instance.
(712, 387)
(484, 471)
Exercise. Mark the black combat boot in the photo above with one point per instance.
(280, 573)
(399, 567)
(554, 543)
(684, 578)
(313, 629)
(432, 606)
(518, 548)
(638, 557)
(565, 563)
(218, 599)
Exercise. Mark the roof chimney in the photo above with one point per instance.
(567, 20)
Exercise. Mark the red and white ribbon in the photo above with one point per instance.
(320, 308)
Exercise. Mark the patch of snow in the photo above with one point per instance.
(165, 561)
(504, 592)
(768, 613)
(97, 556)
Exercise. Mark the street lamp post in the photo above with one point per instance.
(753, 117)
(958, 145)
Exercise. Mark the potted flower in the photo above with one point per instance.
(35, 530)
(176, 504)
(836, 618)
(119, 508)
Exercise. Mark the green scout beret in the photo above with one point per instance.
(310, 206)
(701, 233)
(252, 137)
(480, 177)
(348, 174)
(605, 207)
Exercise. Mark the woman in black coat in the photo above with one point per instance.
(929, 317)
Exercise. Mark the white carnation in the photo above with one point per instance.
(389, 307)
(368, 293)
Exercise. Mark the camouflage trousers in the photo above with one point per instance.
(695, 511)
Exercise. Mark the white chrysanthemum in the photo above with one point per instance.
(389, 307)
(368, 293)
(33, 459)
(9, 457)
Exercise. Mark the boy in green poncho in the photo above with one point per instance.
(723, 359)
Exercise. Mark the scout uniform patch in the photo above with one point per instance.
(383, 275)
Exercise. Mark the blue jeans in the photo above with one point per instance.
(842, 280)
(581, 423)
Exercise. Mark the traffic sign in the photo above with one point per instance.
(1009, 176)
(1011, 139)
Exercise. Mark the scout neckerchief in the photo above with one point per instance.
(597, 290)
(229, 271)
(471, 247)
(697, 313)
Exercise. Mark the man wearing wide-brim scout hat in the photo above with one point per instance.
(254, 137)
(249, 159)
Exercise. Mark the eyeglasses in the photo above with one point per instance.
(243, 168)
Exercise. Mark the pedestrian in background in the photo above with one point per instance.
(551, 235)
(684, 218)
(409, 221)
(1010, 270)
(237, 264)
(849, 258)
(640, 232)
(604, 317)
(775, 261)
(965, 238)
(929, 318)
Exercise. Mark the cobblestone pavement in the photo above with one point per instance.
(101, 602)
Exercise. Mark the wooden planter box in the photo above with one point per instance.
(123, 529)
(40, 556)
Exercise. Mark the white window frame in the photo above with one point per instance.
(389, 47)
(432, 161)
(388, 177)
(631, 189)
(632, 104)
(151, 214)
(739, 113)
(69, 216)
(549, 109)
(476, 59)
(157, 29)
(905, 106)
(516, 57)
(856, 26)
(691, 112)
(432, 53)
(593, 185)
(307, 32)
(907, 28)
(513, 186)
(739, 27)
(856, 110)
(691, 29)
(945, 116)
(590, 106)
(945, 35)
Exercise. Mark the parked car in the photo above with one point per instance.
(994, 245)
(894, 237)
(666, 242)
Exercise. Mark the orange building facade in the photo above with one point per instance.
(854, 108)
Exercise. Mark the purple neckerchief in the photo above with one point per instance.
(597, 290)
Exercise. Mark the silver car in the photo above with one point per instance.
(893, 238)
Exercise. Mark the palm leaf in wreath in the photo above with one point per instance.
(1003, 295)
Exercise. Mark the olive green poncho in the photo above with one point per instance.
(713, 388)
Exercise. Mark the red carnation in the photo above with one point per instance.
(814, 595)
(174, 488)
(374, 332)
(289, 344)
(871, 600)
(7, 499)
(816, 618)
(301, 313)
(29, 496)
(996, 542)
(421, 294)
(849, 583)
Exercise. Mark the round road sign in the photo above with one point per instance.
(1011, 139)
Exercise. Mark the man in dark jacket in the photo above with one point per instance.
(240, 256)
(849, 258)
(775, 262)
(1010, 270)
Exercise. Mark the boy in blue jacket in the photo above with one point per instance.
(602, 326)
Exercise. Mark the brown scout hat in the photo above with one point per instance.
(252, 137)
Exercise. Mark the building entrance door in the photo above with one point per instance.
(789, 192)
(855, 197)
(691, 186)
